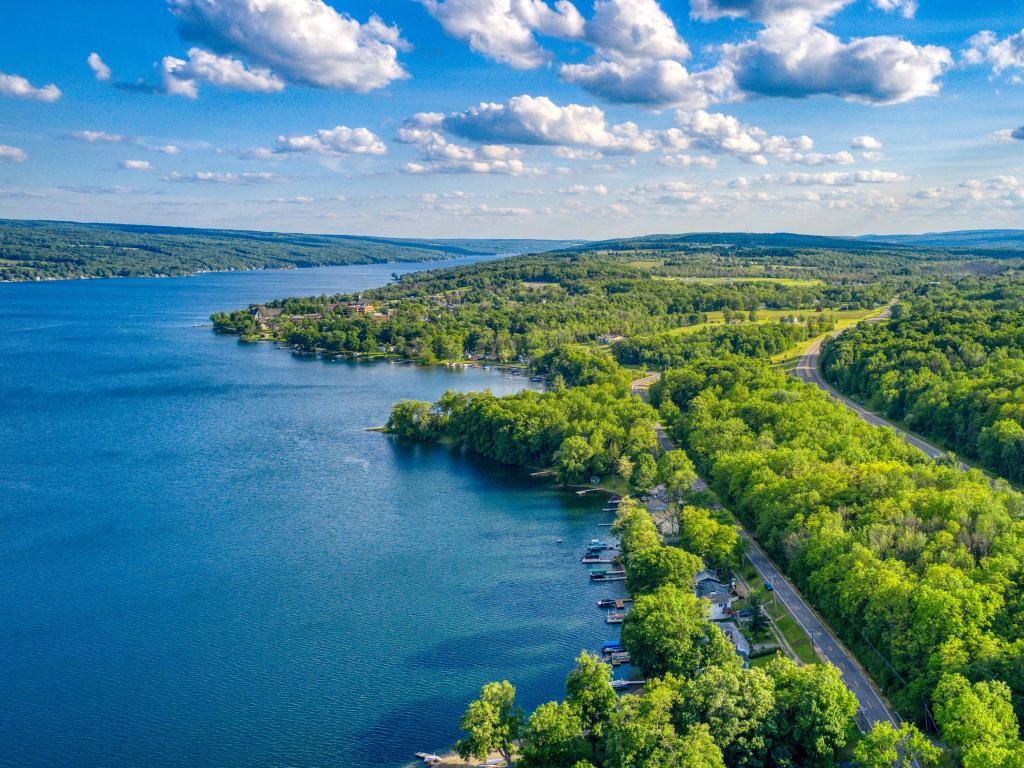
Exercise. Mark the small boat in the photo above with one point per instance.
(615, 618)
(589, 559)
(428, 758)
(558, 541)
(606, 602)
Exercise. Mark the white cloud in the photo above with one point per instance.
(634, 29)
(770, 11)
(333, 142)
(865, 142)
(724, 134)
(438, 155)
(833, 179)
(97, 137)
(136, 165)
(656, 83)
(503, 30)
(582, 189)
(101, 70)
(688, 161)
(18, 87)
(987, 48)
(907, 8)
(9, 154)
(215, 177)
(302, 41)
(182, 78)
(163, 149)
(538, 120)
(796, 59)
(574, 153)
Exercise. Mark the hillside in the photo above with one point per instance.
(46, 250)
(998, 239)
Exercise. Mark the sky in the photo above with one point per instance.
(515, 118)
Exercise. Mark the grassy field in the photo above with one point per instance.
(790, 281)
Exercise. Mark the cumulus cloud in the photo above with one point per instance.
(136, 165)
(503, 30)
(724, 134)
(986, 48)
(18, 87)
(833, 179)
(301, 41)
(769, 11)
(216, 177)
(655, 83)
(163, 149)
(688, 161)
(9, 154)
(865, 142)
(332, 142)
(182, 78)
(636, 29)
(100, 69)
(97, 137)
(582, 189)
(438, 155)
(538, 120)
(796, 60)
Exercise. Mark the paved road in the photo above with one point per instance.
(872, 707)
(807, 371)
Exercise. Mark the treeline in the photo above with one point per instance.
(699, 708)
(49, 250)
(524, 307)
(949, 365)
(918, 565)
(751, 339)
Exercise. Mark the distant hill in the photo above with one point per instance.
(43, 250)
(732, 240)
(996, 239)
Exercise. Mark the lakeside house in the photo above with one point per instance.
(266, 314)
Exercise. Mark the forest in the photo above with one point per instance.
(949, 365)
(917, 564)
(55, 250)
(521, 308)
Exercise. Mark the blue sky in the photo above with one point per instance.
(530, 118)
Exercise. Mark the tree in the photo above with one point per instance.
(813, 713)
(659, 566)
(736, 705)
(758, 621)
(645, 473)
(635, 528)
(588, 688)
(977, 721)
(888, 747)
(492, 723)
(411, 419)
(552, 737)
(668, 631)
(702, 534)
(676, 472)
(573, 457)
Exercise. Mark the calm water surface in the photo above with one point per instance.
(205, 559)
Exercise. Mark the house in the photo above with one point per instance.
(610, 338)
(266, 314)
(721, 604)
(361, 307)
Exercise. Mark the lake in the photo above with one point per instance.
(206, 559)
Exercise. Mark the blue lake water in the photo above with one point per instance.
(206, 559)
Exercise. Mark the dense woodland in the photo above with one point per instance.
(523, 307)
(918, 565)
(50, 250)
(950, 365)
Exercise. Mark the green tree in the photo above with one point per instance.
(551, 737)
(736, 705)
(813, 714)
(668, 631)
(588, 688)
(411, 419)
(702, 534)
(977, 721)
(645, 473)
(573, 458)
(889, 747)
(659, 566)
(491, 723)
(676, 472)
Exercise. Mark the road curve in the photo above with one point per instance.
(807, 371)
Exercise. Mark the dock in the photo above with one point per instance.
(625, 684)
(596, 560)
(615, 618)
